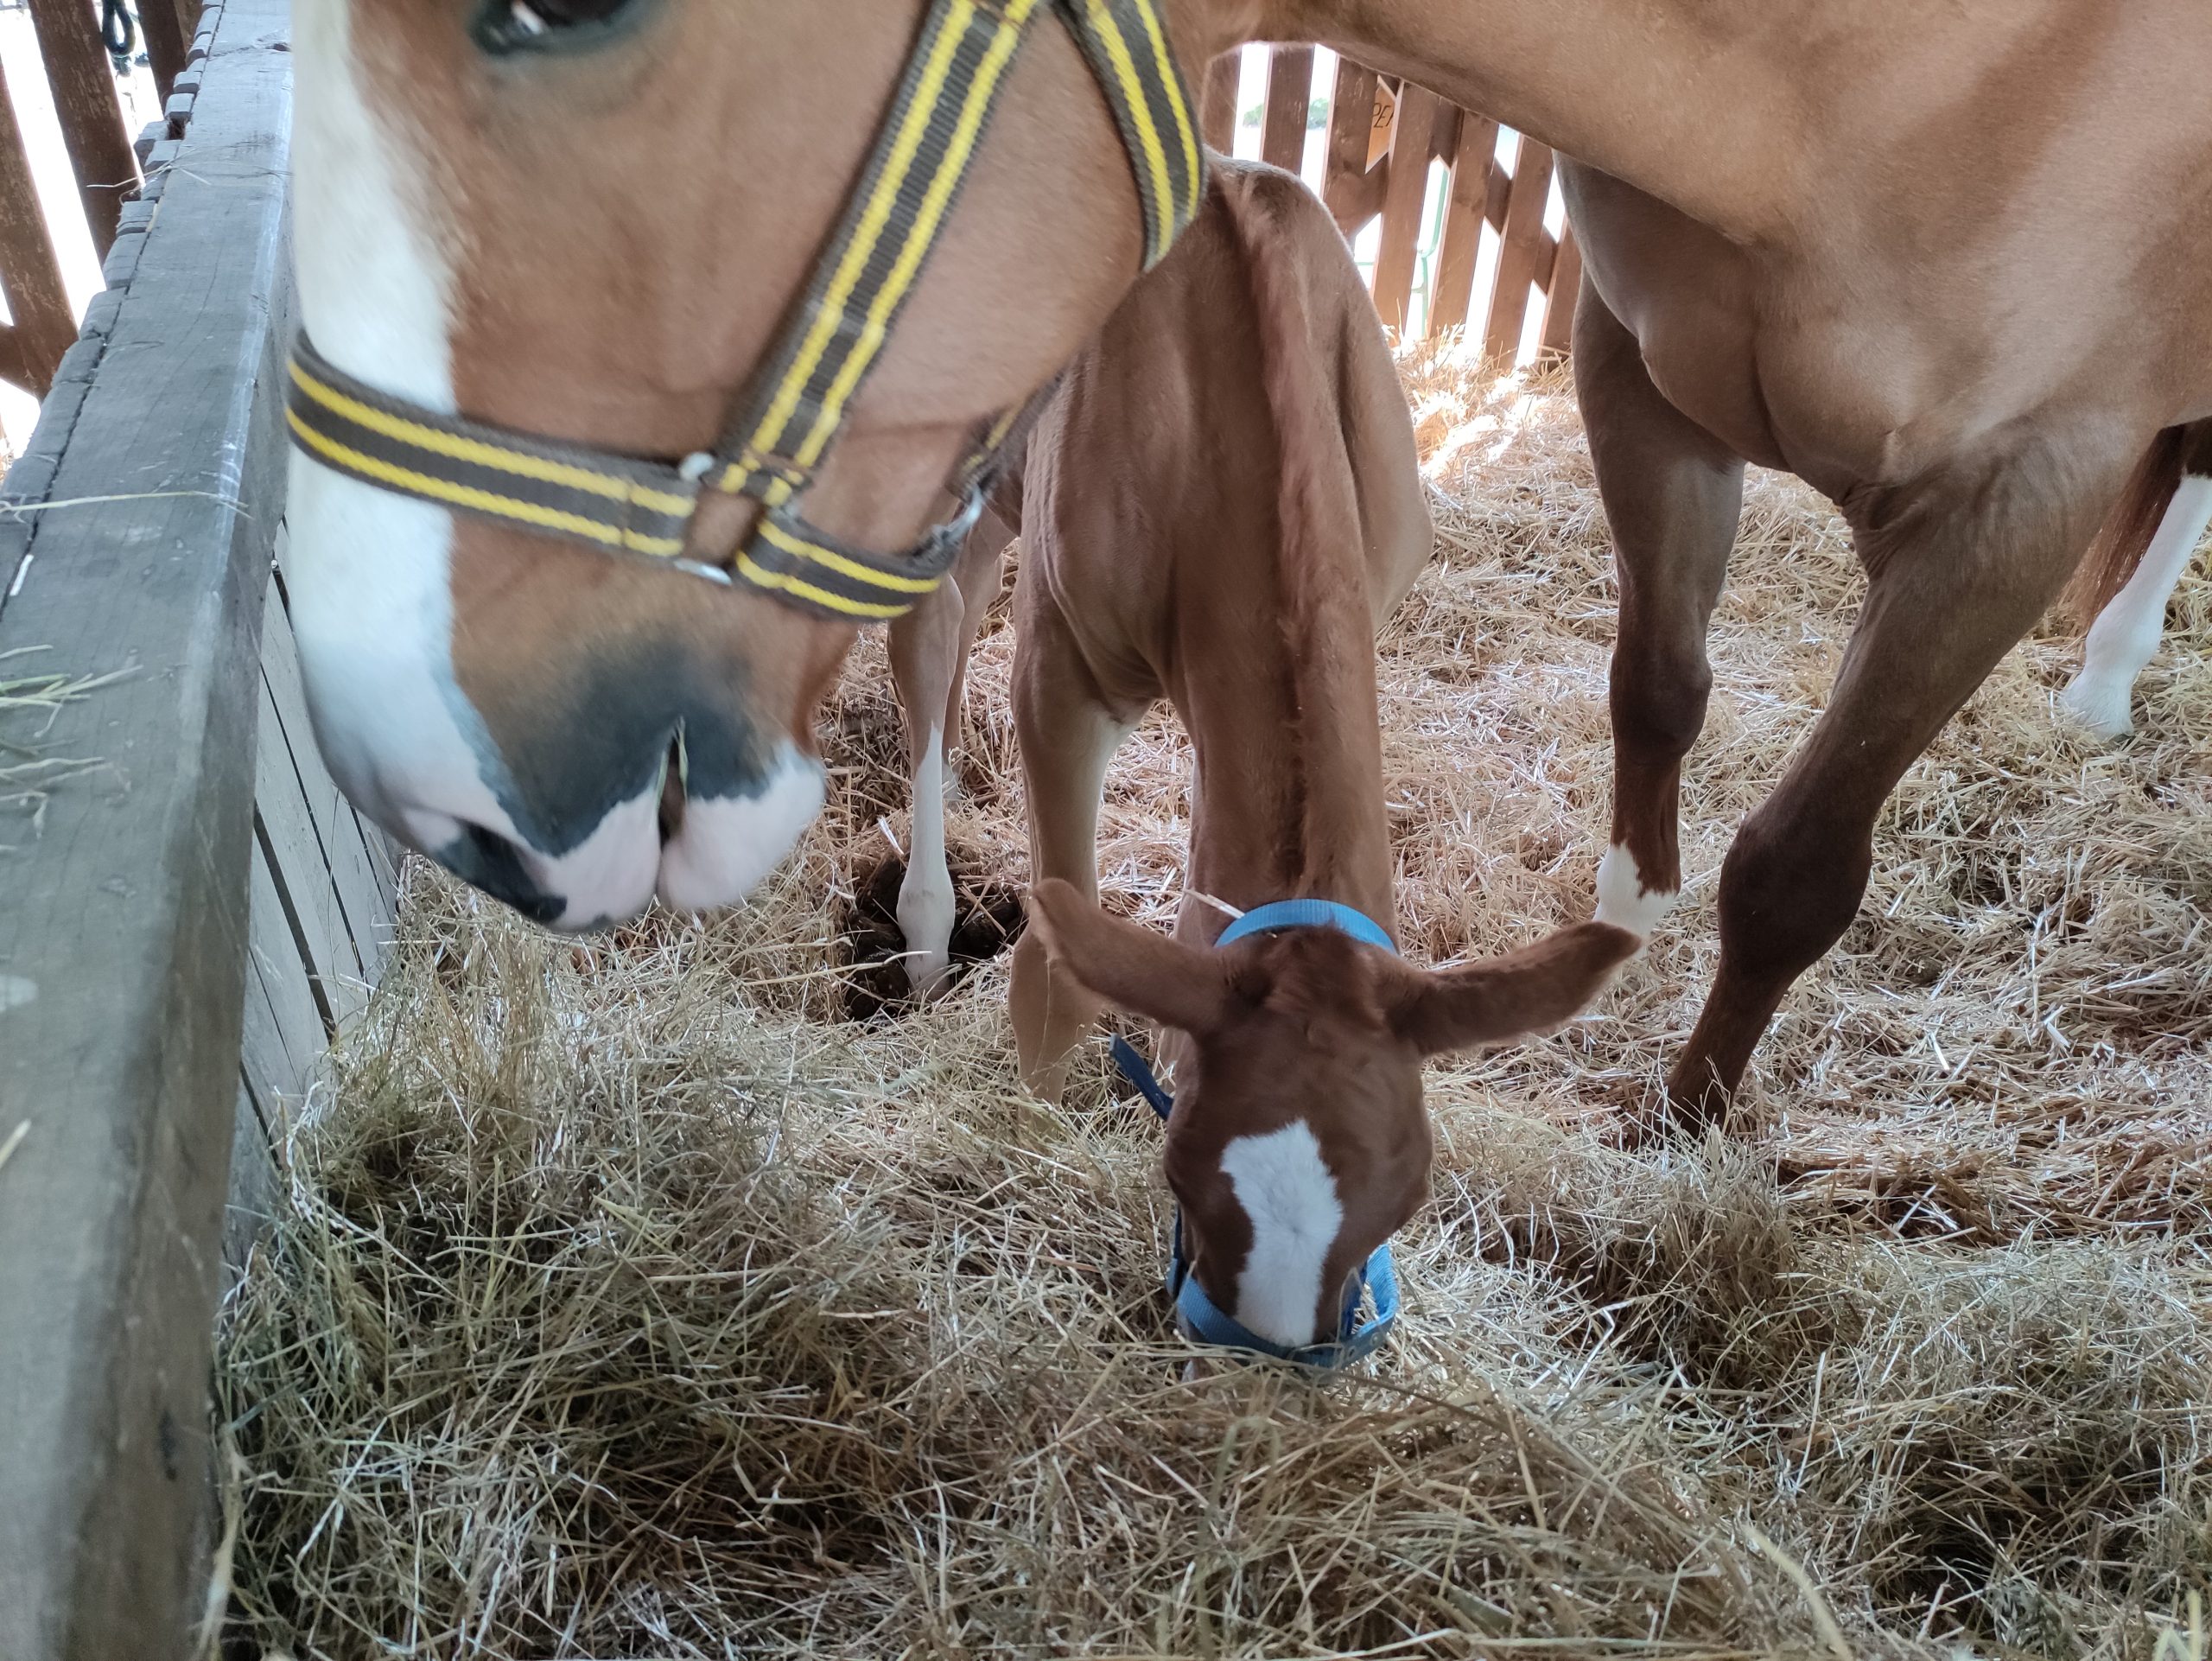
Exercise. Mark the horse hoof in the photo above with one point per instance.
(2100, 707)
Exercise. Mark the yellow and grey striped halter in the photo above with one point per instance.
(804, 391)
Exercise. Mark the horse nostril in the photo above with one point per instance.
(488, 861)
(673, 795)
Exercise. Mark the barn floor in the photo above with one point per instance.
(632, 1299)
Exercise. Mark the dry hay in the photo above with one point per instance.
(626, 1301)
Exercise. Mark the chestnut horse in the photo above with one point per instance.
(1949, 264)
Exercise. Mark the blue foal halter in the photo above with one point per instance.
(1355, 1340)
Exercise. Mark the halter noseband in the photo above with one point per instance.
(1378, 1276)
(804, 391)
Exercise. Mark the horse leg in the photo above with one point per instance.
(1673, 495)
(2125, 637)
(1068, 732)
(929, 651)
(924, 645)
(1960, 567)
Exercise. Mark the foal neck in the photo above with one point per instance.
(1287, 799)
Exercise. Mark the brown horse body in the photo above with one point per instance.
(1947, 263)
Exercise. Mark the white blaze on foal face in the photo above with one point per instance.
(1289, 1197)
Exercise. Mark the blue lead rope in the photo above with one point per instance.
(1378, 1276)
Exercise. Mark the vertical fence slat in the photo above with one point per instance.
(1351, 190)
(1522, 248)
(1217, 103)
(91, 114)
(1564, 289)
(1463, 222)
(1406, 195)
(1290, 103)
(45, 325)
(166, 42)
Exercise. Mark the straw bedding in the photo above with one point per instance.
(628, 1298)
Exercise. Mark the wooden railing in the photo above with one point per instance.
(1456, 214)
(105, 163)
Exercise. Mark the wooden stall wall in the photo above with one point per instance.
(1458, 212)
(188, 910)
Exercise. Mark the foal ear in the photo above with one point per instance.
(1533, 989)
(1146, 973)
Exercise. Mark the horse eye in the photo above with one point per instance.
(510, 25)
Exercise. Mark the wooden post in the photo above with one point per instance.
(1290, 102)
(1561, 294)
(90, 113)
(1472, 162)
(1353, 191)
(1523, 246)
(1217, 102)
(1404, 196)
(45, 325)
(167, 41)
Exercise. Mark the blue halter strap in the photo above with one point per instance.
(1378, 1276)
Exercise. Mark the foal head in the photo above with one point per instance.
(586, 219)
(1298, 1143)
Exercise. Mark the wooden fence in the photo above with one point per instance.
(81, 78)
(188, 909)
(1459, 213)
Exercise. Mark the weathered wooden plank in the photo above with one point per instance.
(1352, 190)
(1563, 293)
(1518, 254)
(273, 942)
(45, 323)
(364, 890)
(1217, 103)
(1403, 204)
(90, 113)
(129, 913)
(165, 38)
(293, 845)
(253, 1180)
(1474, 156)
(1290, 105)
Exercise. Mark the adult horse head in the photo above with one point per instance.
(592, 286)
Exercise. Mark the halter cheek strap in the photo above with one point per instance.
(1378, 1276)
(805, 390)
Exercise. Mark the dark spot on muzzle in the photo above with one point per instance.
(485, 860)
(594, 732)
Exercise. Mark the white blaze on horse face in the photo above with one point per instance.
(2125, 637)
(1290, 1197)
(1623, 900)
(366, 571)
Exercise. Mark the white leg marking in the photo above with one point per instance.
(1623, 900)
(925, 895)
(1290, 1197)
(727, 845)
(2125, 637)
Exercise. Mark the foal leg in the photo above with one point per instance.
(2125, 637)
(928, 664)
(1960, 567)
(924, 644)
(1673, 495)
(1068, 732)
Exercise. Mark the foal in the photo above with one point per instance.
(1220, 504)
